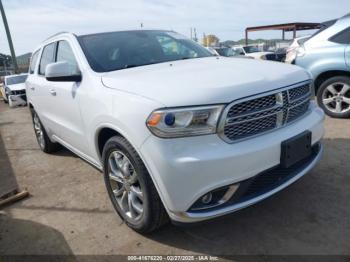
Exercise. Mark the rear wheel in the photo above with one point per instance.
(130, 187)
(334, 96)
(44, 141)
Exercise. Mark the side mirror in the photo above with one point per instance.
(62, 72)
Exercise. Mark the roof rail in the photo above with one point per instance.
(63, 32)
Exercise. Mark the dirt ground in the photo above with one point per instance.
(69, 212)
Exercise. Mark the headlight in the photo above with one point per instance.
(301, 51)
(181, 122)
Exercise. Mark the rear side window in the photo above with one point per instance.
(47, 57)
(342, 37)
(33, 61)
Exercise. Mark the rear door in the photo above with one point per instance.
(343, 38)
(43, 97)
(31, 81)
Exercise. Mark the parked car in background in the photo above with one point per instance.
(13, 90)
(229, 52)
(254, 52)
(176, 131)
(326, 55)
(212, 51)
(292, 49)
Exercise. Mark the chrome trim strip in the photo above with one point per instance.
(275, 107)
(190, 217)
(252, 119)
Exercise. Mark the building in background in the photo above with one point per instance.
(210, 40)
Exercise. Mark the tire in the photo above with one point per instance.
(125, 173)
(44, 141)
(333, 96)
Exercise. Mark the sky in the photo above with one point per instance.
(32, 21)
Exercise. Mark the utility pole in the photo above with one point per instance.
(195, 35)
(14, 60)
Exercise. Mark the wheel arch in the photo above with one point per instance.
(103, 134)
(328, 74)
(31, 107)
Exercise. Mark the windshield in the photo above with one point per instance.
(227, 52)
(251, 49)
(120, 50)
(16, 80)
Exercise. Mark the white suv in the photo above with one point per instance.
(177, 132)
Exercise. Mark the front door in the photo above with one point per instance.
(67, 97)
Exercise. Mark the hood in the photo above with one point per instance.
(17, 87)
(203, 81)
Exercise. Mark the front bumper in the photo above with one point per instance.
(185, 169)
(17, 100)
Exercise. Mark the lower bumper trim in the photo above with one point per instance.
(249, 196)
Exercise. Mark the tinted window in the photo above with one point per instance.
(33, 61)
(65, 53)
(16, 80)
(47, 57)
(121, 50)
(251, 49)
(227, 52)
(342, 37)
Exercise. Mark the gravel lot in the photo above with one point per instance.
(69, 212)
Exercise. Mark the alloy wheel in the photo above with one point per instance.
(39, 131)
(336, 97)
(125, 185)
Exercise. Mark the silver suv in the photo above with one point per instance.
(326, 55)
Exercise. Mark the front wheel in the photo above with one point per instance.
(130, 187)
(333, 96)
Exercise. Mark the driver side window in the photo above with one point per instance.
(65, 54)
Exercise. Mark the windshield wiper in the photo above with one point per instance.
(131, 66)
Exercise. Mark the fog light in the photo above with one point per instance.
(206, 199)
(214, 198)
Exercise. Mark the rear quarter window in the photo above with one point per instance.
(33, 61)
(47, 57)
(342, 37)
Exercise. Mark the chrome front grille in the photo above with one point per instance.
(259, 114)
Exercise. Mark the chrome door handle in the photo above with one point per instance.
(53, 92)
